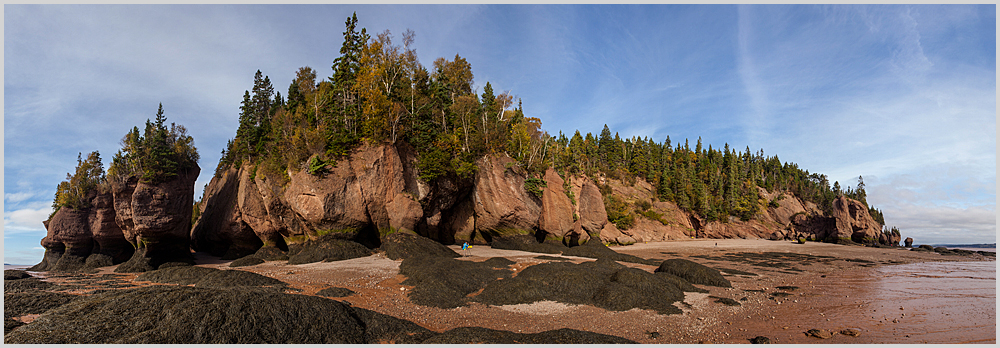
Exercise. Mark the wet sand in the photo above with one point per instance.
(944, 298)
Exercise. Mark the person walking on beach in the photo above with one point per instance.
(465, 249)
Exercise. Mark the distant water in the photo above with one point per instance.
(976, 249)
(6, 266)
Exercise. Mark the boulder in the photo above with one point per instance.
(819, 333)
(694, 272)
(611, 234)
(556, 218)
(501, 204)
(402, 245)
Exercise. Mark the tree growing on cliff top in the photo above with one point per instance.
(156, 155)
(88, 176)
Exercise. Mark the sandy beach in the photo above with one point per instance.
(783, 289)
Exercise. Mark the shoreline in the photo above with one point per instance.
(836, 287)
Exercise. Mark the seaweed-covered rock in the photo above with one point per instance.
(208, 277)
(726, 301)
(271, 253)
(335, 292)
(35, 302)
(596, 250)
(26, 284)
(479, 335)
(12, 274)
(760, 340)
(694, 272)
(248, 260)
(98, 260)
(10, 324)
(679, 282)
(403, 245)
(444, 282)
(181, 314)
(527, 243)
(634, 288)
(327, 248)
(601, 283)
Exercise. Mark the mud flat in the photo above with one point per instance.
(781, 290)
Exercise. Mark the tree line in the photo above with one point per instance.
(379, 92)
(155, 155)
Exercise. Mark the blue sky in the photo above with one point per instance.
(903, 95)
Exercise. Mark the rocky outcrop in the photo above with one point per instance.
(854, 222)
(157, 220)
(108, 237)
(501, 204)
(593, 216)
(220, 228)
(556, 219)
(909, 242)
(376, 191)
(74, 235)
(68, 241)
(372, 192)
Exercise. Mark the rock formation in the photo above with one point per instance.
(556, 218)
(501, 204)
(156, 219)
(376, 191)
(909, 242)
(74, 236)
(853, 221)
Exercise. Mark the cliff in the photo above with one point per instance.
(375, 192)
(83, 238)
(155, 219)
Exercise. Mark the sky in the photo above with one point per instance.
(904, 96)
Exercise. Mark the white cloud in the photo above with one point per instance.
(25, 220)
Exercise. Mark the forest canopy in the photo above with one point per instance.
(157, 154)
(380, 93)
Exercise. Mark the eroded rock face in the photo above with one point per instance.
(104, 228)
(68, 241)
(501, 204)
(909, 242)
(220, 229)
(73, 235)
(330, 202)
(854, 222)
(593, 216)
(556, 218)
(161, 221)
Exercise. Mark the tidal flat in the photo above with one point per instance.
(780, 290)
